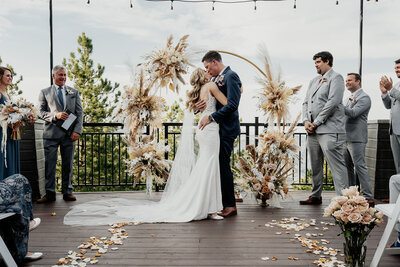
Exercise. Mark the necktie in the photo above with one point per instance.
(60, 96)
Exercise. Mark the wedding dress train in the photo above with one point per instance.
(190, 195)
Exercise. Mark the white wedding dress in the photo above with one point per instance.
(188, 196)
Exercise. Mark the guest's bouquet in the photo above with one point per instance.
(165, 67)
(356, 220)
(14, 114)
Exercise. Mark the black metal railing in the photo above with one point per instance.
(101, 153)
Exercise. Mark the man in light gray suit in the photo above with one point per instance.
(356, 111)
(56, 104)
(323, 117)
(391, 100)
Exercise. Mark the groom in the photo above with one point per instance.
(227, 117)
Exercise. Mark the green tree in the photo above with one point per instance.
(14, 90)
(99, 95)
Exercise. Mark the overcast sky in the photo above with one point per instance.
(121, 36)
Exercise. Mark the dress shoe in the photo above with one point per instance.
(47, 198)
(228, 211)
(371, 202)
(69, 197)
(215, 216)
(33, 256)
(311, 201)
(35, 224)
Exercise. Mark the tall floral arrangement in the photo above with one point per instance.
(356, 220)
(166, 67)
(264, 169)
(140, 106)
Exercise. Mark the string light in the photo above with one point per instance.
(220, 1)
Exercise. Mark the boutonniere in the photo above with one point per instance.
(352, 99)
(324, 80)
(219, 80)
(69, 92)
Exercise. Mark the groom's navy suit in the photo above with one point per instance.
(227, 117)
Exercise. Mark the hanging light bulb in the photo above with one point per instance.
(294, 6)
(255, 4)
(337, 2)
(213, 6)
(172, 4)
(131, 4)
(88, 2)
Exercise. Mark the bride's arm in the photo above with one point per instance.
(217, 93)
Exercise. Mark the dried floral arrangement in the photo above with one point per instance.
(264, 169)
(140, 107)
(165, 67)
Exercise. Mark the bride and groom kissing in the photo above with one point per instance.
(196, 188)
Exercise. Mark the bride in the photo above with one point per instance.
(192, 192)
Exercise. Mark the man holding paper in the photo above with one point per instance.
(60, 106)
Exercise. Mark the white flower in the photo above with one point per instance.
(271, 186)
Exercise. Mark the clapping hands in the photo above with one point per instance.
(385, 84)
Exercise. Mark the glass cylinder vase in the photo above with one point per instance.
(354, 254)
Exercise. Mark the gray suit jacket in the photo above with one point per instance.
(392, 102)
(323, 103)
(357, 117)
(49, 105)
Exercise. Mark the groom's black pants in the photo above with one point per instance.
(225, 151)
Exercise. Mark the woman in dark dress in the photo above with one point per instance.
(9, 164)
(15, 190)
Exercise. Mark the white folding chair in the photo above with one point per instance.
(4, 252)
(392, 211)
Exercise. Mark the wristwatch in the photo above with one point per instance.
(210, 118)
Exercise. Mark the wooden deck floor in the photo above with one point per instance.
(237, 241)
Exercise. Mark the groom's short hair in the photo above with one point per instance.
(211, 55)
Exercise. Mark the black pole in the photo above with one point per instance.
(51, 39)
(361, 34)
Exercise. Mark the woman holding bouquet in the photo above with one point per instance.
(9, 157)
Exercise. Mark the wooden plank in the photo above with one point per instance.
(237, 241)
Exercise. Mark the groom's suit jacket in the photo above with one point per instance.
(49, 105)
(323, 103)
(227, 116)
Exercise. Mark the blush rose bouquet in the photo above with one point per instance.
(356, 220)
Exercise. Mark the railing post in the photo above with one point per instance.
(256, 131)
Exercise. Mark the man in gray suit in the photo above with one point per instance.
(356, 111)
(391, 100)
(323, 117)
(56, 104)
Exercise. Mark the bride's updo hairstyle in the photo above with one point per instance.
(197, 80)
